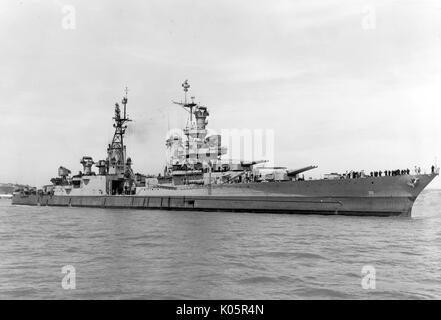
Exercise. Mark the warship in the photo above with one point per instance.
(198, 177)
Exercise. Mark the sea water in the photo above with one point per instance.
(83, 253)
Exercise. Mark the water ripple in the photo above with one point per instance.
(133, 254)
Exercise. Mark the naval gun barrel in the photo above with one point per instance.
(293, 173)
(252, 163)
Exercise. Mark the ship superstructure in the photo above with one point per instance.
(196, 157)
(119, 173)
(115, 175)
(193, 153)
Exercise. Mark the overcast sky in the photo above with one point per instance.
(345, 85)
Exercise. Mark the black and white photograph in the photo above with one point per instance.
(231, 152)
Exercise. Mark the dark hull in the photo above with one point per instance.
(385, 206)
(391, 196)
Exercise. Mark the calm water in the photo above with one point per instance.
(125, 254)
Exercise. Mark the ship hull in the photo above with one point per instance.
(383, 196)
(358, 206)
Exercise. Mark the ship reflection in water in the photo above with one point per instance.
(124, 253)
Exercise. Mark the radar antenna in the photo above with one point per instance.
(124, 101)
(116, 152)
(186, 105)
